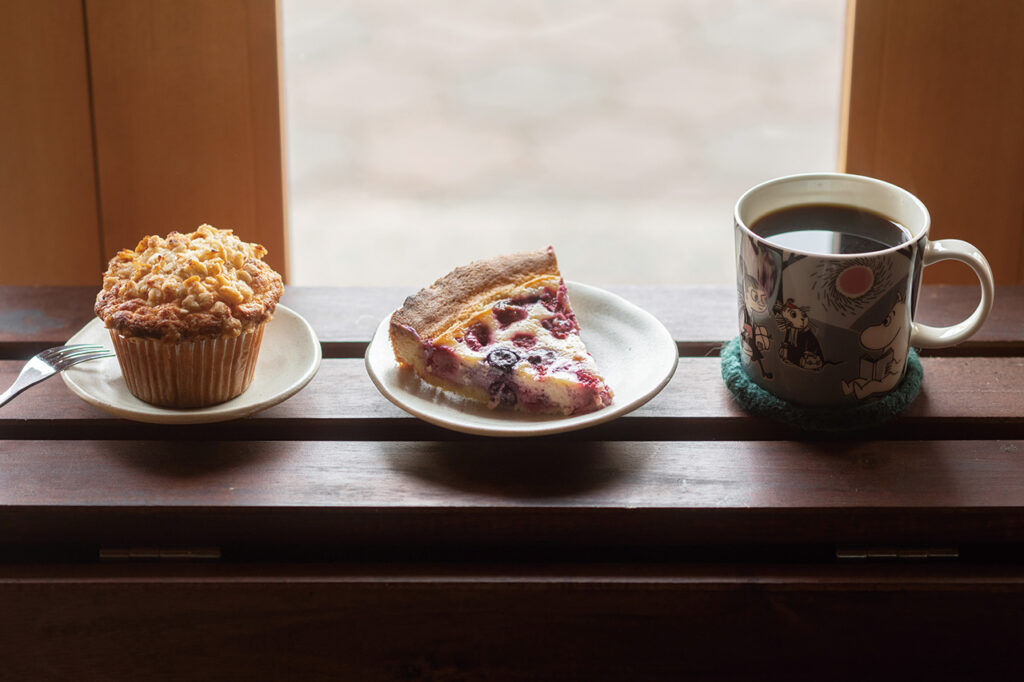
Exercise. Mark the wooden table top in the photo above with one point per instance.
(333, 536)
(338, 466)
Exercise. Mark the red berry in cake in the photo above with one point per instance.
(507, 312)
(549, 299)
(524, 340)
(559, 325)
(442, 361)
(478, 336)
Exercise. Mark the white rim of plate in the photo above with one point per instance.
(235, 408)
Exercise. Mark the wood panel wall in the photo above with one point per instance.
(157, 115)
(49, 224)
(934, 102)
(187, 110)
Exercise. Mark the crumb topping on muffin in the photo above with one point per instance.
(203, 284)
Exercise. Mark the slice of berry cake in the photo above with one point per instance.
(501, 331)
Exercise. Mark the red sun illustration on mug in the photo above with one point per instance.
(851, 286)
(855, 281)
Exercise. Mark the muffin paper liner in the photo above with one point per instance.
(188, 374)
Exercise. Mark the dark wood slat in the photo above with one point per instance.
(705, 622)
(496, 495)
(961, 398)
(699, 318)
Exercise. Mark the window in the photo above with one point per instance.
(422, 136)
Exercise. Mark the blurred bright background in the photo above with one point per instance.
(423, 135)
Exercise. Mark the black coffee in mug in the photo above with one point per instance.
(830, 229)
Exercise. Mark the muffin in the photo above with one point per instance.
(186, 314)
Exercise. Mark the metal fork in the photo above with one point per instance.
(52, 360)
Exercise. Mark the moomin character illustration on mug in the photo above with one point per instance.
(888, 341)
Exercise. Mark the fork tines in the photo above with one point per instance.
(72, 350)
(65, 356)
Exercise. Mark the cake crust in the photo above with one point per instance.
(467, 289)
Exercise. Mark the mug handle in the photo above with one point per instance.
(924, 336)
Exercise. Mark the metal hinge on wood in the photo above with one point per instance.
(160, 553)
(897, 553)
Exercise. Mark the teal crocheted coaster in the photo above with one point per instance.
(755, 399)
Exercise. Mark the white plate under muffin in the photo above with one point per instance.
(288, 360)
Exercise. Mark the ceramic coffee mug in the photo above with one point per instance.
(828, 271)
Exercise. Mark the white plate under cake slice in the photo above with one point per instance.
(502, 332)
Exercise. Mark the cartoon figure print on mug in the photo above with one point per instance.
(828, 272)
